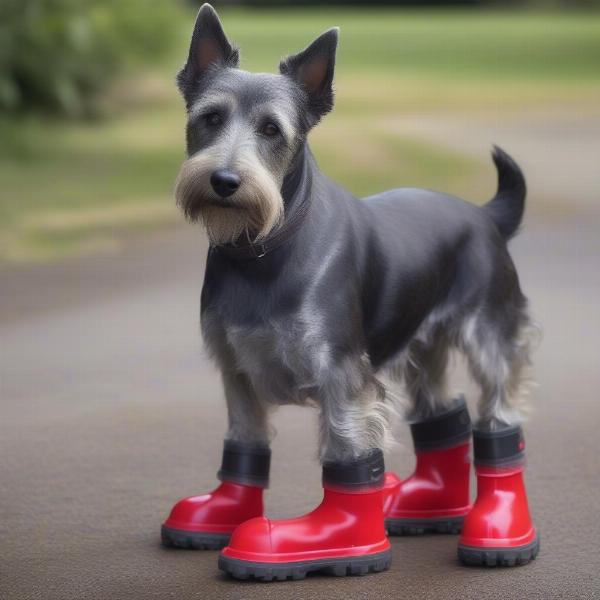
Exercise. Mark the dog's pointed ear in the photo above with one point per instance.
(313, 69)
(209, 50)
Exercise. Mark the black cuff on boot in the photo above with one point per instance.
(499, 448)
(245, 463)
(368, 471)
(444, 430)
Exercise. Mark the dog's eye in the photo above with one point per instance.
(270, 129)
(213, 119)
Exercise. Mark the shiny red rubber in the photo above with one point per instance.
(343, 525)
(221, 511)
(500, 517)
(438, 488)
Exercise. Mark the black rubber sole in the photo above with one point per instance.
(193, 540)
(451, 525)
(498, 557)
(338, 567)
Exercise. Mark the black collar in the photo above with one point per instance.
(296, 187)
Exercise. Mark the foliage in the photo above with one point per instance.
(57, 55)
(84, 186)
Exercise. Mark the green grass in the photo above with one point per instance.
(489, 45)
(77, 187)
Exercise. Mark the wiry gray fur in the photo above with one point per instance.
(391, 282)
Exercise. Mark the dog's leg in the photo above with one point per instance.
(435, 498)
(425, 377)
(354, 413)
(345, 533)
(498, 352)
(247, 414)
(499, 529)
(208, 521)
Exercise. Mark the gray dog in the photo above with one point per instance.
(309, 293)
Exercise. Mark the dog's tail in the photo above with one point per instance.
(506, 208)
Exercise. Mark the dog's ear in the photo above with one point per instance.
(209, 50)
(313, 69)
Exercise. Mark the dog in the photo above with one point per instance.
(311, 294)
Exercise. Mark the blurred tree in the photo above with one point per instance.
(57, 55)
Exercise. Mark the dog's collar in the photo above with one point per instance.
(288, 229)
(302, 180)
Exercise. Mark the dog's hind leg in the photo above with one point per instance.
(435, 498)
(498, 349)
(499, 529)
(425, 377)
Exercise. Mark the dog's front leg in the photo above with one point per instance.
(345, 533)
(208, 521)
(247, 414)
(354, 417)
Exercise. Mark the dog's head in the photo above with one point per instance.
(244, 129)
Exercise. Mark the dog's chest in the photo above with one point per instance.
(284, 359)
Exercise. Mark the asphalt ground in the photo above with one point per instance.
(110, 412)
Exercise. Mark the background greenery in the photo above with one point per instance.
(56, 55)
(76, 185)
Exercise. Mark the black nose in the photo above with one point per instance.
(224, 182)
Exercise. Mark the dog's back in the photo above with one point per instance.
(427, 255)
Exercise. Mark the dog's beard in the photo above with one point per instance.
(255, 208)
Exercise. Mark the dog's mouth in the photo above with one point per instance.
(228, 202)
(198, 208)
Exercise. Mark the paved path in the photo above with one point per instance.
(109, 412)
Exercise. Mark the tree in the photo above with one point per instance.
(56, 56)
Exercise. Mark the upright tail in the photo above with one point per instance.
(506, 208)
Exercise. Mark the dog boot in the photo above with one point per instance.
(435, 498)
(207, 522)
(498, 530)
(343, 535)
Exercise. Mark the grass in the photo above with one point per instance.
(77, 187)
(488, 45)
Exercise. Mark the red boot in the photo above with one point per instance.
(207, 522)
(499, 531)
(343, 535)
(435, 498)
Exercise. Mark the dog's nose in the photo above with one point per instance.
(224, 182)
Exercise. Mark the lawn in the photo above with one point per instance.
(73, 187)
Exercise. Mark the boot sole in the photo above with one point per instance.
(498, 557)
(450, 525)
(193, 540)
(338, 567)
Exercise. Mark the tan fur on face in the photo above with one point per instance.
(257, 206)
